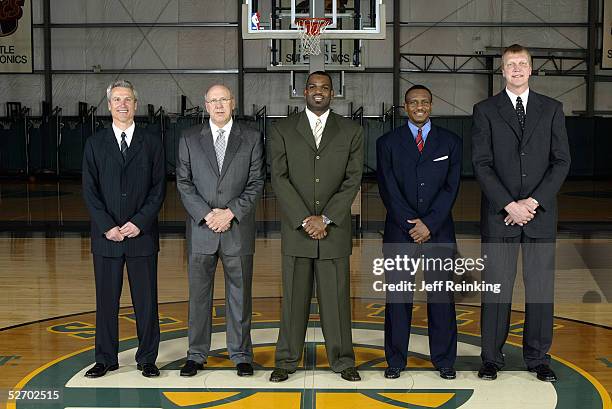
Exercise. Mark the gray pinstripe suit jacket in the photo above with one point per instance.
(238, 187)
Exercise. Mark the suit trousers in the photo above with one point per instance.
(538, 256)
(142, 276)
(333, 294)
(238, 273)
(441, 317)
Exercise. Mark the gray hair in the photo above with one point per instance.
(121, 84)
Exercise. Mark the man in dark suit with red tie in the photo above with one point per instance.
(419, 168)
(124, 186)
(521, 157)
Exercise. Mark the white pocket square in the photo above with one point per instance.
(441, 158)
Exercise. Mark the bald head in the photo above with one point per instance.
(217, 87)
(219, 103)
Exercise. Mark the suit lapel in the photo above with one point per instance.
(208, 147)
(113, 147)
(431, 144)
(303, 128)
(507, 112)
(233, 143)
(534, 110)
(406, 140)
(330, 130)
(135, 146)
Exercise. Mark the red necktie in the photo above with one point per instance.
(419, 140)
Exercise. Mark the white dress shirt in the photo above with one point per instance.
(524, 96)
(129, 132)
(214, 129)
(312, 119)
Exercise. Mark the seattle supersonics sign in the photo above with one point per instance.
(314, 386)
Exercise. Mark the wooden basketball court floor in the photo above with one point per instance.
(47, 319)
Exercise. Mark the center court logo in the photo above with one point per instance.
(313, 386)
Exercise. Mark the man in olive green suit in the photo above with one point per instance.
(316, 163)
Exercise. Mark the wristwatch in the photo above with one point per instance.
(326, 219)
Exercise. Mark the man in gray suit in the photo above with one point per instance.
(220, 177)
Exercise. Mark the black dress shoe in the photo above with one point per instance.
(447, 373)
(392, 373)
(488, 371)
(148, 370)
(99, 370)
(191, 368)
(244, 369)
(350, 374)
(280, 374)
(544, 373)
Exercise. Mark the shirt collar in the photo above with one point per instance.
(227, 128)
(129, 133)
(524, 97)
(415, 129)
(312, 118)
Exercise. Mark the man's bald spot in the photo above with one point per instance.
(215, 86)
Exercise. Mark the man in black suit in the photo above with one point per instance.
(521, 157)
(419, 169)
(124, 187)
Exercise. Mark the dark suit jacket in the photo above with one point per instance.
(419, 185)
(512, 165)
(116, 192)
(237, 187)
(309, 181)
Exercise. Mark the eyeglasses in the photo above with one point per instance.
(219, 101)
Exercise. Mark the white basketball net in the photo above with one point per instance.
(310, 30)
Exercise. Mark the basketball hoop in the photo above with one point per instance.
(310, 30)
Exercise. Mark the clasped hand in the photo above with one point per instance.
(219, 220)
(520, 212)
(117, 233)
(420, 232)
(315, 227)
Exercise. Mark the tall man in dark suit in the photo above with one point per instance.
(220, 177)
(123, 187)
(316, 164)
(521, 157)
(419, 168)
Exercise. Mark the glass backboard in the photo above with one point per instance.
(350, 19)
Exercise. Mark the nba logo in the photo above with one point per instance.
(255, 21)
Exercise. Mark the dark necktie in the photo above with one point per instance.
(124, 146)
(520, 112)
(419, 140)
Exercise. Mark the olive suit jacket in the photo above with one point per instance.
(310, 181)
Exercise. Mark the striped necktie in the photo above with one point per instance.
(124, 145)
(419, 140)
(318, 132)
